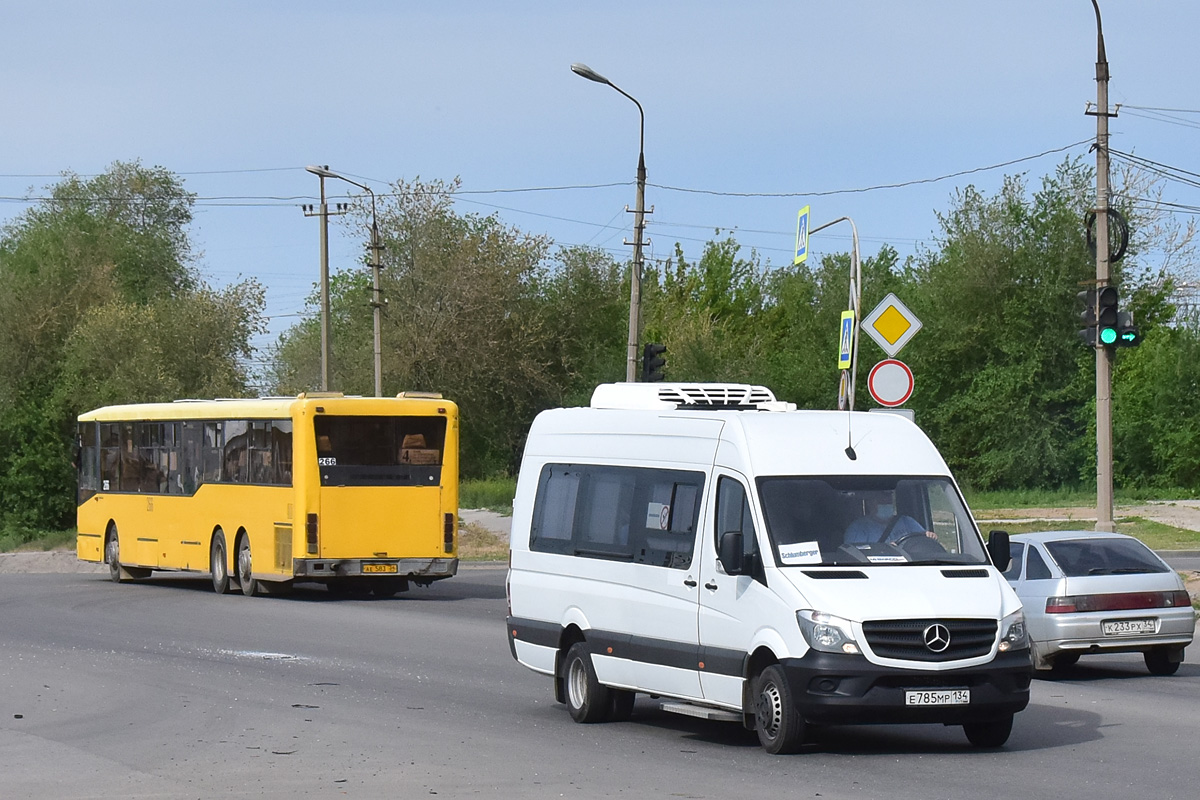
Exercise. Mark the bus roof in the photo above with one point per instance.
(272, 407)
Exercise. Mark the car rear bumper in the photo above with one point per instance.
(1082, 632)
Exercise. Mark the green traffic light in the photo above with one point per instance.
(1108, 335)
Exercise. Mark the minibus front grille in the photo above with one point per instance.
(905, 639)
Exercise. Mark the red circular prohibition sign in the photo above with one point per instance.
(890, 383)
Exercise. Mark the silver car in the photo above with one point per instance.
(1091, 592)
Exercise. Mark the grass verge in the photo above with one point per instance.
(1065, 498)
(1155, 535)
(494, 494)
(16, 540)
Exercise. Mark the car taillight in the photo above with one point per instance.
(1125, 601)
(448, 534)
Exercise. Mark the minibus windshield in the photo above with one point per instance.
(879, 519)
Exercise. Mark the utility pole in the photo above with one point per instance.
(635, 281)
(324, 213)
(376, 301)
(1104, 354)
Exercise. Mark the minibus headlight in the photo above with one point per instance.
(1013, 634)
(827, 633)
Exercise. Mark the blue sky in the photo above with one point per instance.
(776, 97)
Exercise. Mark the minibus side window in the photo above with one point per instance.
(640, 515)
(733, 514)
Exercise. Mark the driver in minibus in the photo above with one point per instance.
(881, 522)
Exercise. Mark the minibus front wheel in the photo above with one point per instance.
(587, 700)
(776, 718)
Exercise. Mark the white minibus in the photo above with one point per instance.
(740, 560)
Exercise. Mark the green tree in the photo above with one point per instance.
(103, 304)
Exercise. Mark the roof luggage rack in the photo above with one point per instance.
(687, 396)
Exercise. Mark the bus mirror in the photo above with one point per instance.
(731, 553)
(998, 549)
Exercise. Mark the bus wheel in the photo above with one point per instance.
(112, 555)
(388, 587)
(776, 718)
(587, 700)
(219, 563)
(245, 571)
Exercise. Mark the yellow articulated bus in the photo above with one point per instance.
(359, 493)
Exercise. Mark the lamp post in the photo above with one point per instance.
(639, 225)
(376, 304)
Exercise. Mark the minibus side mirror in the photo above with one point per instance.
(731, 553)
(998, 549)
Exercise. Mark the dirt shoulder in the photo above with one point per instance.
(1176, 513)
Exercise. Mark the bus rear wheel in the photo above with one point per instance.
(245, 568)
(219, 563)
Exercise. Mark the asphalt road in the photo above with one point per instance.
(163, 689)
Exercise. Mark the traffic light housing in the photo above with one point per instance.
(653, 362)
(1088, 317)
(1107, 316)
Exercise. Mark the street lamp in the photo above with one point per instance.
(376, 247)
(639, 225)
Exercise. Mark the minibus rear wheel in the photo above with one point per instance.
(776, 718)
(587, 700)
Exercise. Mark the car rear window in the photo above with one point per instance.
(1077, 557)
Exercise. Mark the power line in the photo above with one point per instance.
(1157, 108)
(871, 188)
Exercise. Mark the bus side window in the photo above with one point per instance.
(234, 456)
(89, 460)
(110, 457)
(281, 451)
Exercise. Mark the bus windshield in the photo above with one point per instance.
(379, 451)
(844, 520)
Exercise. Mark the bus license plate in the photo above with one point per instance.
(377, 568)
(1128, 627)
(938, 697)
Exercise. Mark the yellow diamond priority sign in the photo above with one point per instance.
(891, 324)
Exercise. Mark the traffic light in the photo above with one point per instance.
(1104, 323)
(1128, 334)
(653, 362)
(1107, 316)
(1088, 317)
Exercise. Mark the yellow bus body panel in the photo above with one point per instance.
(386, 522)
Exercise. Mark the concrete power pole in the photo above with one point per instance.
(1104, 354)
